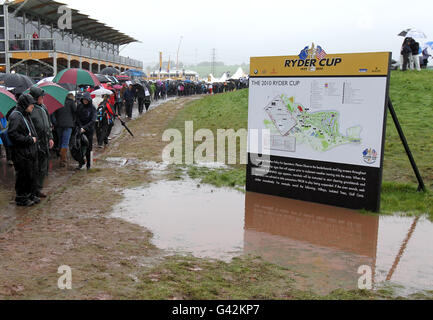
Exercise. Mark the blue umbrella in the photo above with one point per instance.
(428, 45)
(3, 124)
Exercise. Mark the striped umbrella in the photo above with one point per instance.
(55, 96)
(7, 102)
(78, 77)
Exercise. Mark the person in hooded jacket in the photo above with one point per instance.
(140, 97)
(128, 97)
(147, 97)
(86, 118)
(406, 54)
(104, 121)
(24, 151)
(42, 122)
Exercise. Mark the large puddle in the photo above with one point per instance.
(325, 245)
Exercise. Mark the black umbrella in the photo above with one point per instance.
(68, 86)
(102, 78)
(112, 79)
(110, 71)
(18, 81)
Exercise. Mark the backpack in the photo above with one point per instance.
(100, 113)
(78, 146)
(4, 136)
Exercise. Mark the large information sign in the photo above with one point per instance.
(321, 123)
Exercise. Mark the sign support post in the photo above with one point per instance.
(421, 185)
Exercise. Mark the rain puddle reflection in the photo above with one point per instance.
(325, 245)
(204, 221)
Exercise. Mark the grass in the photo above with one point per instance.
(247, 278)
(233, 178)
(412, 96)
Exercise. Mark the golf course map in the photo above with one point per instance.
(321, 130)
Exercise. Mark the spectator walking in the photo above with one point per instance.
(128, 97)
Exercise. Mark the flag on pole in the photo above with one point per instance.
(160, 61)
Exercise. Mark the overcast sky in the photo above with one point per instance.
(240, 29)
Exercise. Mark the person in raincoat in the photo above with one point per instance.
(140, 98)
(86, 118)
(24, 151)
(147, 97)
(128, 97)
(104, 121)
(42, 122)
(153, 91)
(406, 54)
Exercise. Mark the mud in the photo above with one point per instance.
(71, 227)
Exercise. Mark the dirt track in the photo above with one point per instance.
(72, 228)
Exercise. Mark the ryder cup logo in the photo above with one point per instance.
(370, 156)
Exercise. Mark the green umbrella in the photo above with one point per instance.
(55, 96)
(78, 77)
(7, 102)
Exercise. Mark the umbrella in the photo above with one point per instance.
(49, 79)
(18, 81)
(428, 45)
(137, 85)
(110, 71)
(117, 87)
(55, 96)
(412, 33)
(7, 101)
(78, 77)
(102, 78)
(102, 91)
(113, 79)
(68, 86)
(123, 78)
(107, 86)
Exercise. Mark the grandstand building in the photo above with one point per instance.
(32, 43)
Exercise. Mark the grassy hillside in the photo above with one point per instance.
(412, 95)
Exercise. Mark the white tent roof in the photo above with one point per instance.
(238, 74)
(224, 78)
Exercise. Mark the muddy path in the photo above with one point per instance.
(71, 227)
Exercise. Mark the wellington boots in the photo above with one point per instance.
(63, 159)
